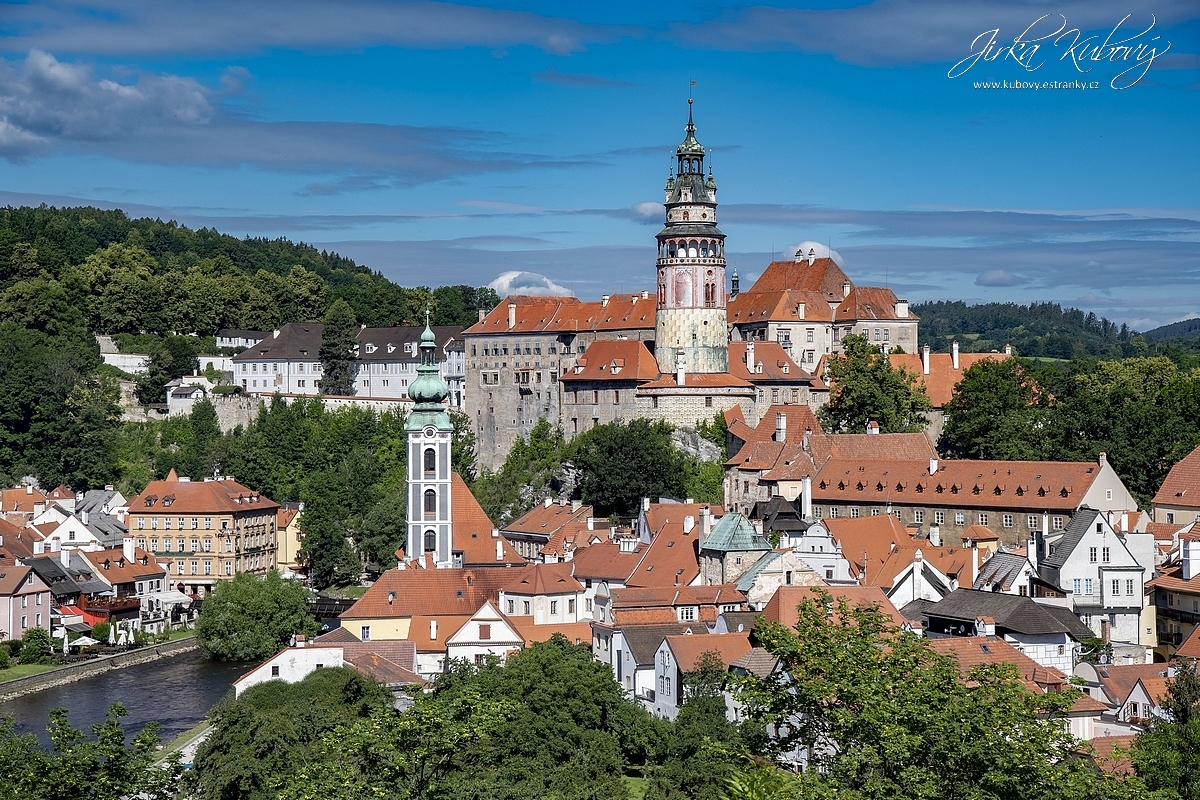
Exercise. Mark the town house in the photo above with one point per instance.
(24, 601)
(1177, 501)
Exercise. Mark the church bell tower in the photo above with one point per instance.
(430, 529)
(691, 268)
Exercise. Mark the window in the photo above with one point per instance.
(553, 607)
(587, 604)
(1007, 520)
(365, 633)
(854, 513)
(1116, 587)
(939, 517)
(571, 606)
(1092, 555)
(525, 608)
(479, 659)
(1087, 585)
(666, 659)
(24, 621)
(874, 512)
(141, 523)
(1108, 494)
(485, 630)
(1032, 522)
(708, 402)
(208, 523)
(960, 518)
(195, 567)
(833, 512)
(228, 567)
(1104, 555)
(430, 541)
(430, 504)
(1129, 590)
(687, 613)
(430, 461)
(918, 515)
(510, 606)
(1078, 585)
(274, 670)
(983, 519)
(1058, 523)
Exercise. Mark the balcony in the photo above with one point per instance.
(110, 605)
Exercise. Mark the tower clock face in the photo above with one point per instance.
(430, 432)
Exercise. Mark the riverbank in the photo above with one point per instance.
(58, 676)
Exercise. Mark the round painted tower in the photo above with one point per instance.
(691, 268)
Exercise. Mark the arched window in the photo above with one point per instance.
(671, 249)
(430, 503)
(430, 461)
(662, 294)
(430, 541)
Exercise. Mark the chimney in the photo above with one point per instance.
(432, 630)
(845, 290)
(83, 516)
(812, 256)
(127, 548)
(645, 504)
(933, 466)
(1103, 458)
(925, 359)
(627, 545)
(275, 335)
(750, 355)
(806, 498)
(804, 441)
(1008, 349)
(499, 551)
(301, 640)
(780, 427)
(935, 536)
(482, 314)
(512, 316)
(54, 545)
(705, 521)
(799, 310)
(547, 503)
(28, 488)
(64, 556)
(645, 294)
(902, 309)
(954, 353)
(576, 505)
(689, 522)
(680, 366)
(39, 547)
(591, 523)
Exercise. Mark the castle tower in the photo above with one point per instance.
(691, 267)
(430, 528)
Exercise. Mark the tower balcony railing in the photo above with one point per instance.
(716, 261)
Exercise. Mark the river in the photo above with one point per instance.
(176, 691)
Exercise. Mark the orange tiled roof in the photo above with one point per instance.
(776, 364)
(614, 360)
(1191, 645)
(1155, 688)
(605, 561)
(871, 303)
(823, 276)
(573, 536)
(674, 596)
(696, 380)
(284, 517)
(1118, 680)
(575, 632)
(782, 606)
(21, 499)
(671, 559)
(971, 651)
(543, 579)
(12, 577)
(1172, 578)
(473, 530)
(943, 377)
(415, 591)
(546, 519)
(119, 570)
(977, 484)
(688, 648)
(419, 630)
(174, 496)
(1104, 752)
(781, 306)
(980, 533)
(1180, 488)
(568, 314)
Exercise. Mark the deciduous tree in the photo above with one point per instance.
(865, 388)
(250, 617)
(337, 350)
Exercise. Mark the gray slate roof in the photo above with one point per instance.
(643, 641)
(734, 533)
(1003, 568)
(1011, 612)
(51, 571)
(1080, 524)
(778, 514)
(917, 610)
(297, 341)
(757, 662)
(744, 618)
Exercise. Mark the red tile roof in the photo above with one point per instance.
(823, 276)
(978, 484)
(781, 306)
(671, 559)
(696, 380)
(545, 519)
(871, 303)
(605, 561)
(688, 648)
(415, 591)
(943, 377)
(782, 606)
(174, 496)
(675, 596)
(1172, 578)
(420, 627)
(1118, 680)
(575, 632)
(971, 651)
(1191, 645)
(12, 577)
(21, 499)
(1180, 488)
(614, 360)
(1111, 753)
(118, 570)
(776, 364)
(543, 579)
(473, 530)
(553, 314)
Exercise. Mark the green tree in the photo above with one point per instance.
(622, 462)
(1167, 754)
(261, 737)
(535, 463)
(35, 646)
(250, 618)
(78, 767)
(462, 446)
(998, 411)
(865, 388)
(383, 531)
(325, 552)
(171, 358)
(337, 349)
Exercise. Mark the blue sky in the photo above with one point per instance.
(447, 143)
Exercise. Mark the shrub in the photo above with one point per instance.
(100, 631)
(35, 646)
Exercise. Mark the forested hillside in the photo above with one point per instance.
(1038, 330)
(1184, 329)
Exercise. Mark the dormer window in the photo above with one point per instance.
(371, 348)
(391, 348)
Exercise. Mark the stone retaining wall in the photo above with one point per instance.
(83, 669)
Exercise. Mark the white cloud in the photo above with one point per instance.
(517, 282)
(819, 251)
(999, 277)
(648, 210)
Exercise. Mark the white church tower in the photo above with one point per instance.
(430, 527)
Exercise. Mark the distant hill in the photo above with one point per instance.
(1045, 330)
(1184, 329)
